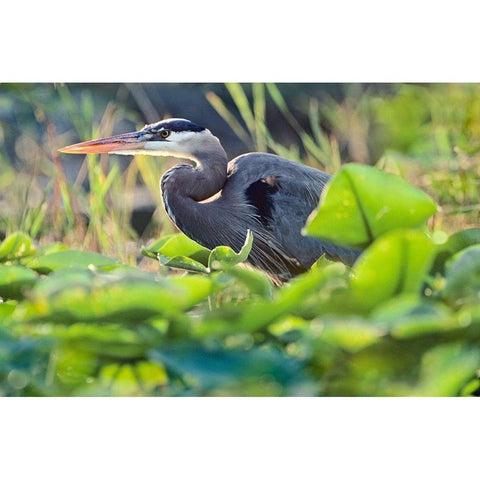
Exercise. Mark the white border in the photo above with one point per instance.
(214, 41)
(238, 438)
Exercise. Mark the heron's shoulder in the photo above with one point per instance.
(258, 159)
(254, 166)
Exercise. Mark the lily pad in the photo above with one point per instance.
(178, 245)
(408, 316)
(214, 367)
(456, 242)
(351, 334)
(183, 263)
(179, 251)
(69, 258)
(395, 264)
(72, 296)
(255, 281)
(362, 203)
(446, 369)
(14, 280)
(463, 277)
(224, 257)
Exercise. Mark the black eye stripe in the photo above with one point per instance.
(174, 125)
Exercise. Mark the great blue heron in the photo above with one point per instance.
(215, 201)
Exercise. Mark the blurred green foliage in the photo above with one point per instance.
(84, 314)
(397, 323)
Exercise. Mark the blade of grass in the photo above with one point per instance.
(241, 102)
(259, 109)
(306, 139)
(218, 104)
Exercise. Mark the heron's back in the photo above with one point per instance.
(282, 193)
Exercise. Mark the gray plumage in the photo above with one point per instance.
(291, 192)
(214, 201)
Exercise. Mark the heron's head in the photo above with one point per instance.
(175, 137)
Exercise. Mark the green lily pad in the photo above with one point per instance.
(224, 257)
(255, 281)
(456, 242)
(69, 258)
(178, 245)
(213, 367)
(75, 296)
(103, 340)
(362, 203)
(179, 251)
(183, 263)
(351, 334)
(446, 369)
(291, 299)
(397, 263)
(463, 277)
(14, 280)
(7, 308)
(408, 316)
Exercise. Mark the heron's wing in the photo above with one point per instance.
(283, 194)
(293, 203)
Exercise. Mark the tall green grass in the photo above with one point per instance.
(314, 148)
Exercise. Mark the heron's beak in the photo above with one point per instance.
(117, 143)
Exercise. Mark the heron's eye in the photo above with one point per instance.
(165, 133)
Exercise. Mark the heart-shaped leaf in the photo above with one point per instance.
(395, 264)
(362, 203)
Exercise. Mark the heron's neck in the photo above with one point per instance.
(184, 187)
